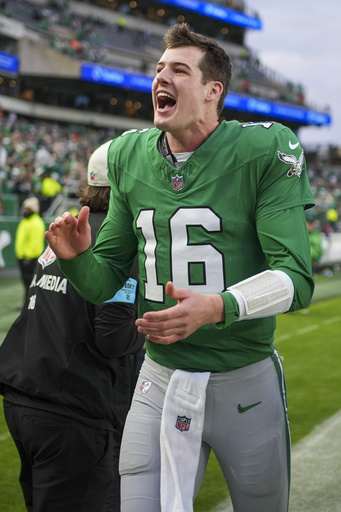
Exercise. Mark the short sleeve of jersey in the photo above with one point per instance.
(283, 180)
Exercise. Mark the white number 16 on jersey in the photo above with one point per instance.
(183, 254)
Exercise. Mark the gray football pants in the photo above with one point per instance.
(245, 425)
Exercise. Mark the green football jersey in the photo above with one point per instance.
(232, 210)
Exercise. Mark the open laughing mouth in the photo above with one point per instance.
(165, 101)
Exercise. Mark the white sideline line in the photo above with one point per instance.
(308, 329)
(316, 471)
(332, 320)
(299, 332)
(281, 338)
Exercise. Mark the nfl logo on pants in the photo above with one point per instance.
(183, 423)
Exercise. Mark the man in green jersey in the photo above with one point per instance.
(215, 212)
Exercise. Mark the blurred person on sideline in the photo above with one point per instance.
(332, 218)
(29, 240)
(215, 212)
(315, 239)
(67, 373)
(49, 189)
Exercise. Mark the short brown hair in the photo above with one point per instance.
(215, 63)
(96, 198)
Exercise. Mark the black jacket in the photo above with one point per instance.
(69, 356)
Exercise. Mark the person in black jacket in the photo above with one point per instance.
(67, 373)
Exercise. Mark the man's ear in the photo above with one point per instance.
(215, 90)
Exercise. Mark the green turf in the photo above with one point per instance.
(309, 342)
(11, 498)
(312, 358)
(11, 296)
(312, 369)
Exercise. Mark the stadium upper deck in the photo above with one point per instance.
(94, 60)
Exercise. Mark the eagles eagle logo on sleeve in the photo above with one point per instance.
(296, 165)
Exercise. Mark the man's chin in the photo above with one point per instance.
(162, 122)
(160, 125)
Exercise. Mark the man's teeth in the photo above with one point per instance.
(164, 94)
(165, 100)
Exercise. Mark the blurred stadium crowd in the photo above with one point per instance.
(44, 158)
(325, 180)
(92, 39)
(48, 159)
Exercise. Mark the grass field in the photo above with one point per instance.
(310, 344)
(308, 341)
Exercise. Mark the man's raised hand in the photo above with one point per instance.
(69, 237)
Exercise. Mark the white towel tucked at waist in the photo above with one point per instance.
(181, 433)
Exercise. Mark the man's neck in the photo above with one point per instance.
(188, 141)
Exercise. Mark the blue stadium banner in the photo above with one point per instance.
(234, 101)
(116, 77)
(9, 63)
(217, 12)
(273, 110)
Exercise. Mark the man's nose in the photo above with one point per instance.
(163, 76)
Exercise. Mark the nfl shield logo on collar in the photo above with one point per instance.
(177, 182)
(183, 423)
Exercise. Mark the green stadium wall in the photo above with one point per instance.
(8, 228)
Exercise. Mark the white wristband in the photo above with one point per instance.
(266, 294)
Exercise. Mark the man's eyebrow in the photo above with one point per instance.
(160, 63)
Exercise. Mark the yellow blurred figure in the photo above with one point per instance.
(29, 240)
